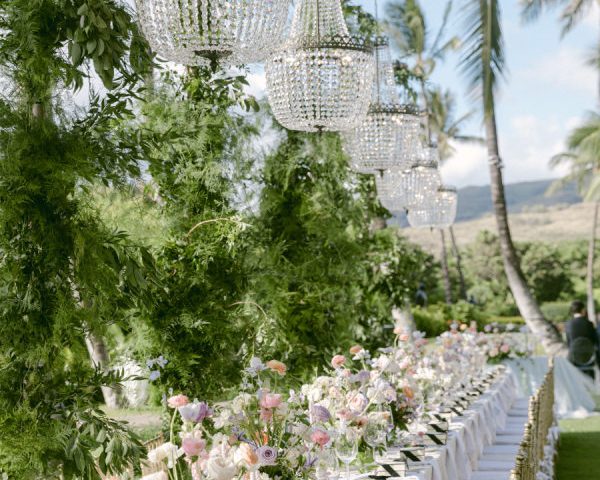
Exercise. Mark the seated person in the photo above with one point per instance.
(579, 328)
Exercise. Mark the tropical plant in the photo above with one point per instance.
(483, 63)
(572, 13)
(197, 149)
(66, 276)
(582, 159)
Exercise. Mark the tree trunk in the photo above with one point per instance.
(446, 272)
(457, 256)
(100, 359)
(544, 330)
(591, 304)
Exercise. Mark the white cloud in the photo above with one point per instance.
(592, 18)
(467, 166)
(526, 146)
(564, 69)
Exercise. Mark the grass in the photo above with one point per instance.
(578, 452)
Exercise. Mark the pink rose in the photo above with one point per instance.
(177, 401)
(266, 414)
(270, 400)
(357, 402)
(356, 349)
(338, 361)
(405, 337)
(345, 414)
(277, 366)
(193, 446)
(505, 348)
(320, 437)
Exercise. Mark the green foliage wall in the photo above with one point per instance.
(64, 273)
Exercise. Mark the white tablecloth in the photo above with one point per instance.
(572, 390)
(471, 432)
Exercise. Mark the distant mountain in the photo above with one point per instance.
(476, 202)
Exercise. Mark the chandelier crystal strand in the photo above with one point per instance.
(320, 79)
(210, 32)
(440, 214)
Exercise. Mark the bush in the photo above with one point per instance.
(556, 312)
(436, 319)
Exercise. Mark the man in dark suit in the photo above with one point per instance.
(579, 325)
(578, 328)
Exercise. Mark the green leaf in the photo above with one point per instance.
(91, 46)
(75, 53)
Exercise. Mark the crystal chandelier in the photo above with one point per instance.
(390, 134)
(421, 184)
(320, 79)
(440, 213)
(202, 32)
(391, 188)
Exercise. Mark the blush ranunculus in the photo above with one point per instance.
(266, 414)
(357, 402)
(356, 349)
(193, 446)
(177, 401)
(248, 454)
(270, 400)
(320, 437)
(277, 366)
(337, 361)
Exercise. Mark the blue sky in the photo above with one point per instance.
(547, 92)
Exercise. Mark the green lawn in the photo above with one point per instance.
(578, 456)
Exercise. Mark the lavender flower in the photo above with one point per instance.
(154, 375)
(256, 365)
(195, 412)
(319, 413)
(267, 455)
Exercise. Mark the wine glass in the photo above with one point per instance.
(346, 448)
(327, 465)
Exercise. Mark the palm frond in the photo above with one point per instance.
(483, 61)
(532, 9)
(406, 26)
(573, 13)
(435, 49)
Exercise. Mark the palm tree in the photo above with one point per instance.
(583, 147)
(573, 11)
(483, 63)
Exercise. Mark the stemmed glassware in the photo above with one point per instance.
(346, 447)
(327, 465)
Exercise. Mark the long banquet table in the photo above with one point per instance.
(469, 434)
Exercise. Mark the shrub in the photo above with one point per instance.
(556, 312)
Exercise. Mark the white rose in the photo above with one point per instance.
(220, 468)
(156, 476)
(167, 451)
